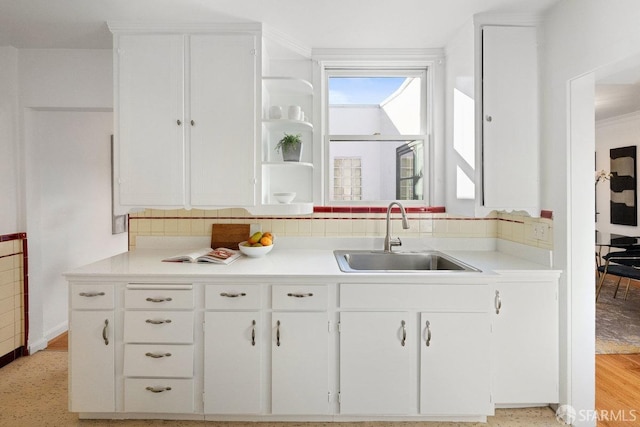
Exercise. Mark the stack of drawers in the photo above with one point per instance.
(159, 348)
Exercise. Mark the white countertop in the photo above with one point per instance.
(289, 261)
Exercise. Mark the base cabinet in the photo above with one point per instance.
(92, 348)
(271, 351)
(299, 363)
(375, 363)
(525, 334)
(232, 344)
(454, 364)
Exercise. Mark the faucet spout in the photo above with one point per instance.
(388, 241)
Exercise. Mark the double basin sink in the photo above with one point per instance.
(363, 261)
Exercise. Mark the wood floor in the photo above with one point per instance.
(617, 385)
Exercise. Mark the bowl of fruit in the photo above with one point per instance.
(257, 245)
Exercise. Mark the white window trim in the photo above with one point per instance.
(423, 66)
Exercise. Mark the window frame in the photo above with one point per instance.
(419, 69)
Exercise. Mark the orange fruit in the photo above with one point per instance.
(266, 241)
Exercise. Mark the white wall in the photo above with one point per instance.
(66, 99)
(460, 119)
(578, 37)
(621, 131)
(8, 147)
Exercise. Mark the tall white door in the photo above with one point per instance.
(300, 363)
(376, 351)
(232, 348)
(222, 119)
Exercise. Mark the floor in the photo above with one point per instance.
(33, 392)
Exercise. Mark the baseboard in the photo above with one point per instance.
(52, 333)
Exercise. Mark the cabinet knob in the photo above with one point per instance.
(233, 294)
(404, 333)
(300, 295)
(160, 299)
(193, 122)
(158, 355)
(278, 333)
(488, 118)
(179, 122)
(497, 302)
(158, 321)
(158, 389)
(91, 294)
(253, 332)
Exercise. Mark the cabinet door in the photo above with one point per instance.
(454, 364)
(150, 120)
(375, 366)
(91, 362)
(525, 343)
(300, 363)
(232, 363)
(510, 118)
(222, 120)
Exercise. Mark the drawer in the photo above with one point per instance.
(160, 395)
(147, 360)
(453, 298)
(173, 327)
(303, 297)
(92, 296)
(158, 298)
(239, 297)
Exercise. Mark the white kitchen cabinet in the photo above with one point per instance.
(232, 374)
(525, 343)
(300, 363)
(454, 364)
(509, 114)
(376, 351)
(91, 348)
(185, 119)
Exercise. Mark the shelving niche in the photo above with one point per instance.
(277, 175)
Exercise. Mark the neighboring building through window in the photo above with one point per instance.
(376, 118)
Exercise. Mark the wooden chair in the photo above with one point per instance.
(625, 264)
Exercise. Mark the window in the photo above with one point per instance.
(377, 120)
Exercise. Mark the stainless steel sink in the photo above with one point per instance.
(397, 262)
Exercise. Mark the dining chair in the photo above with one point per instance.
(624, 264)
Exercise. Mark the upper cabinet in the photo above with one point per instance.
(187, 108)
(492, 116)
(510, 169)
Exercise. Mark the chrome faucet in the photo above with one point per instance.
(388, 241)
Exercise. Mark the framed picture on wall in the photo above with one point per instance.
(624, 206)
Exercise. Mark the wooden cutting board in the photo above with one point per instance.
(228, 235)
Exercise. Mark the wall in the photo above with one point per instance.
(460, 119)
(66, 99)
(577, 38)
(8, 148)
(611, 133)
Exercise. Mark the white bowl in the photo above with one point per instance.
(284, 197)
(254, 251)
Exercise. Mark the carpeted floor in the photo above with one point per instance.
(33, 393)
(617, 320)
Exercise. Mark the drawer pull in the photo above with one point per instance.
(253, 332)
(104, 332)
(497, 302)
(428, 331)
(158, 321)
(233, 294)
(300, 295)
(161, 299)
(158, 389)
(158, 355)
(404, 333)
(91, 294)
(278, 333)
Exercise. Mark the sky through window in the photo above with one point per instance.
(362, 90)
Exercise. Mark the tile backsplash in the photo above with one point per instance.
(12, 296)
(348, 222)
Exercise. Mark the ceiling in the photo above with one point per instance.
(81, 24)
(312, 23)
